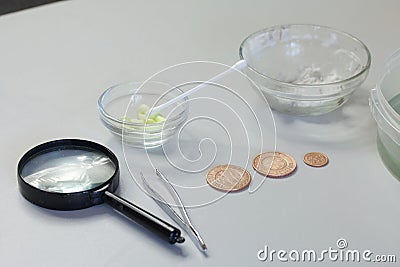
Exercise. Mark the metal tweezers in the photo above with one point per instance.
(182, 220)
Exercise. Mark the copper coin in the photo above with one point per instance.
(228, 178)
(315, 159)
(274, 164)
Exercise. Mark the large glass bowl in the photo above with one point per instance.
(119, 107)
(305, 69)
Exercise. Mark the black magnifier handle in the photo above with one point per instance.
(158, 226)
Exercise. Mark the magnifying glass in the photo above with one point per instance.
(71, 174)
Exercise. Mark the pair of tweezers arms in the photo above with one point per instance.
(182, 220)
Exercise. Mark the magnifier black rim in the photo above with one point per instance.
(72, 200)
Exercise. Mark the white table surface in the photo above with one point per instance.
(57, 59)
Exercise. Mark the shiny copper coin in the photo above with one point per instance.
(274, 164)
(228, 178)
(315, 159)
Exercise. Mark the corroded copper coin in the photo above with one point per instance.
(274, 164)
(316, 159)
(228, 178)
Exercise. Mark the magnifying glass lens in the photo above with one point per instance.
(71, 174)
(68, 170)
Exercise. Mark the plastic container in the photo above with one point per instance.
(385, 107)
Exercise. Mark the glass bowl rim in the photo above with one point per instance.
(169, 121)
(354, 76)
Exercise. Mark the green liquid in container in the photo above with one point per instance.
(388, 148)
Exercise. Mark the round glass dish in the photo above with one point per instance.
(119, 108)
(384, 102)
(305, 69)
